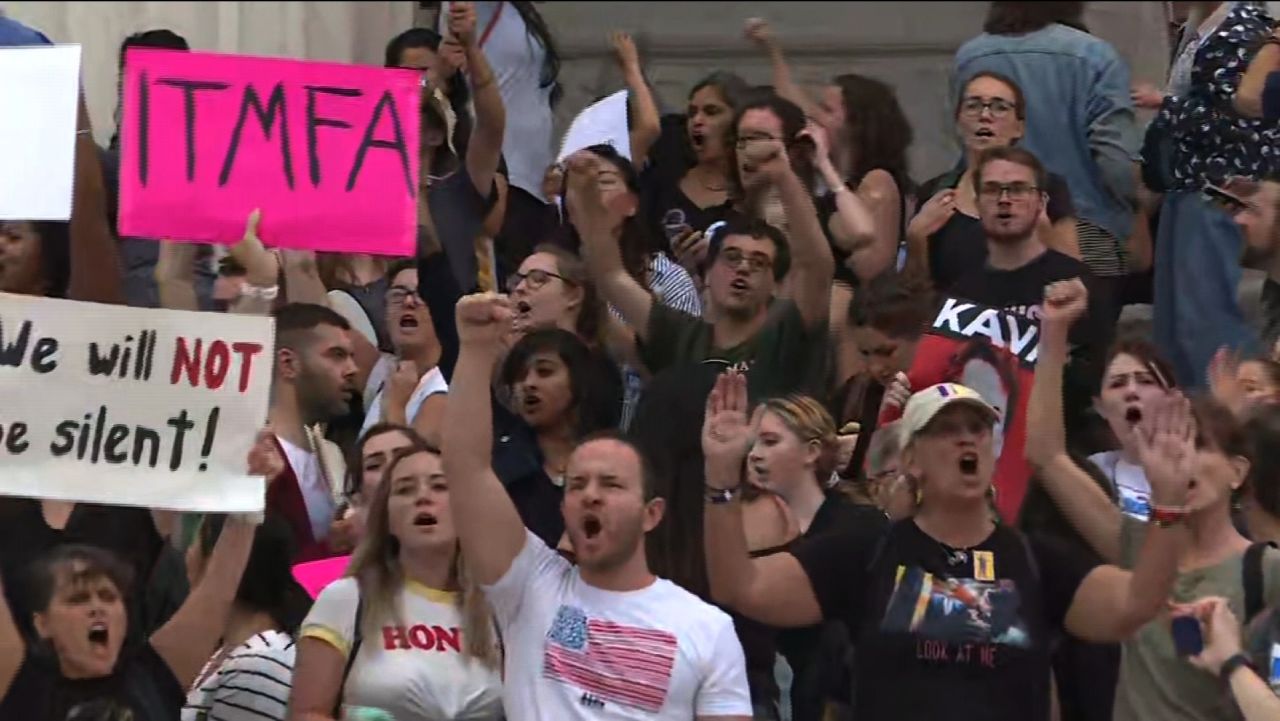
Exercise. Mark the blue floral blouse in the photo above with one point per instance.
(1211, 141)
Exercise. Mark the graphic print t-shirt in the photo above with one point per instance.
(578, 652)
(414, 668)
(141, 689)
(955, 637)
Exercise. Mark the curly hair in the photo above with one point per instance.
(877, 131)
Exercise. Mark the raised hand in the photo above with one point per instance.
(726, 430)
(1224, 380)
(484, 319)
(766, 161)
(462, 22)
(897, 392)
(582, 191)
(625, 50)
(821, 142)
(934, 214)
(400, 385)
(1166, 439)
(757, 30)
(1064, 302)
(264, 458)
(262, 267)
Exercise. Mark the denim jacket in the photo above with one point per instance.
(1080, 120)
(14, 33)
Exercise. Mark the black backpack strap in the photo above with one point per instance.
(357, 638)
(1254, 600)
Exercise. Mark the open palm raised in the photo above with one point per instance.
(726, 430)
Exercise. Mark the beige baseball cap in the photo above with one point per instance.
(925, 404)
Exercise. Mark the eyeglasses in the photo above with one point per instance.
(746, 140)
(972, 107)
(756, 262)
(398, 295)
(535, 279)
(1016, 191)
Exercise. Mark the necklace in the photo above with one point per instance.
(954, 556)
(708, 186)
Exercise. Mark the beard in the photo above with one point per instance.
(317, 402)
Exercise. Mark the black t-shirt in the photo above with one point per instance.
(130, 533)
(960, 246)
(825, 205)
(934, 641)
(661, 199)
(142, 688)
(1021, 291)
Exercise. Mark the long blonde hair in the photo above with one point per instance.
(377, 569)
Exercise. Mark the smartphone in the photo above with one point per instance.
(1188, 640)
(1224, 198)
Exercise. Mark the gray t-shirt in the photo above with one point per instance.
(1155, 683)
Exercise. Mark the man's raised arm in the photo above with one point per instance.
(488, 524)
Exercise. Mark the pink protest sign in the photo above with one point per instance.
(313, 576)
(329, 152)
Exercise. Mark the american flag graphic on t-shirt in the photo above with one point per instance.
(625, 665)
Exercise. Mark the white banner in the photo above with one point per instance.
(131, 406)
(604, 123)
(39, 88)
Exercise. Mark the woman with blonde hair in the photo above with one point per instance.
(431, 650)
(793, 459)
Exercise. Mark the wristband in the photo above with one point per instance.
(720, 496)
(1232, 665)
(1166, 516)
(260, 292)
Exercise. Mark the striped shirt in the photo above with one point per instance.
(251, 683)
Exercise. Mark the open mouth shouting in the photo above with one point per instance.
(425, 520)
(739, 286)
(986, 133)
(969, 463)
(1133, 415)
(99, 636)
(408, 321)
(591, 527)
(530, 403)
(699, 139)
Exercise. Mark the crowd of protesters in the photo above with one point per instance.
(681, 433)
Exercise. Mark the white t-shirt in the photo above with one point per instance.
(579, 652)
(251, 683)
(316, 493)
(431, 383)
(415, 668)
(1132, 488)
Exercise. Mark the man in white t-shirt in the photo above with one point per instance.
(604, 639)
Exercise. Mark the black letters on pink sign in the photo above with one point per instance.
(397, 144)
(189, 90)
(314, 122)
(276, 109)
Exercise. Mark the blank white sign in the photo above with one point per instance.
(39, 88)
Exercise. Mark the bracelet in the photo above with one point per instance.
(1233, 664)
(259, 292)
(720, 496)
(1166, 516)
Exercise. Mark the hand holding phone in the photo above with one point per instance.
(1188, 638)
